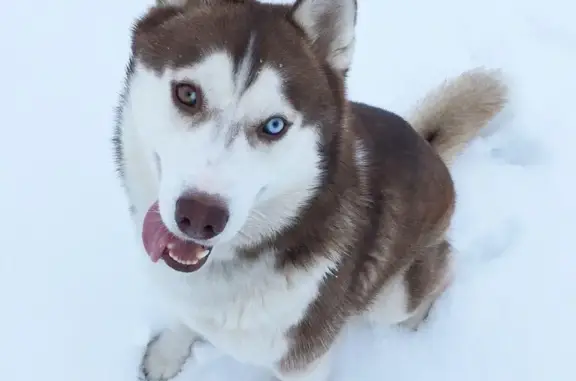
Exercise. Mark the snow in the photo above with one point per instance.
(73, 303)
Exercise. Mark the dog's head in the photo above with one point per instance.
(237, 103)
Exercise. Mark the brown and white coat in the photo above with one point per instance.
(345, 216)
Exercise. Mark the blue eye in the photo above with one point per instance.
(275, 126)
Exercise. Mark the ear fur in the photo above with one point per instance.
(186, 3)
(171, 3)
(330, 27)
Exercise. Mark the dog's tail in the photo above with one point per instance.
(453, 114)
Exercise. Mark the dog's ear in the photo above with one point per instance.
(171, 3)
(330, 27)
(187, 3)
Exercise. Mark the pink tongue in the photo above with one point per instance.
(156, 239)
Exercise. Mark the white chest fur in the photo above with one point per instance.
(243, 309)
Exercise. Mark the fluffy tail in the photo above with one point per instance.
(453, 114)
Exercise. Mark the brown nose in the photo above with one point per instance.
(201, 216)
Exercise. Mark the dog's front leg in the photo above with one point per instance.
(317, 370)
(167, 352)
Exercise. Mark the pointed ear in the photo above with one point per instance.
(186, 3)
(330, 27)
(171, 3)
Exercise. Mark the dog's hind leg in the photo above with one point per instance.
(427, 279)
(409, 296)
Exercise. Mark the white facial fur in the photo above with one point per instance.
(263, 184)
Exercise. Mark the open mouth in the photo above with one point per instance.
(160, 243)
(190, 262)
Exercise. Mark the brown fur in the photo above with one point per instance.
(384, 218)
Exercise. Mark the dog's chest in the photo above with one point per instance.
(244, 311)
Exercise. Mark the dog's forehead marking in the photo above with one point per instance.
(239, 92)
(187, 37)
(243, 72)
(243, 76)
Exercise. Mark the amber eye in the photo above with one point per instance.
(187, 94)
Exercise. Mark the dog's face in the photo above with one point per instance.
(234, 102)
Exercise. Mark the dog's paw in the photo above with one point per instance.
(167, 353)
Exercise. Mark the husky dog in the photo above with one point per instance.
(273, 210)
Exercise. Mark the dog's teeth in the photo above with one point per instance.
(203, 254)
(183, 261)
(174, 257)
(171, 246)
(171, 254)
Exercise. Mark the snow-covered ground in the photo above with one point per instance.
(73, 306)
